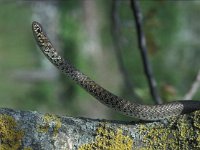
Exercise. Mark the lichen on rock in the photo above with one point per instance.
(109, 139)
(10, 134)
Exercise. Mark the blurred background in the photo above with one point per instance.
(99, 38)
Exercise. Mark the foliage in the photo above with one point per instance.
(172, 33)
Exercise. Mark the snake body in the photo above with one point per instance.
(143, 112)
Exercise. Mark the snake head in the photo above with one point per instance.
(39, 34)
(37, 28)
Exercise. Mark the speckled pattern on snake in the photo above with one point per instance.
(143, 112)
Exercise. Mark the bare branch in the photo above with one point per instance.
(115, 29)
(193, 90)
(143, 50)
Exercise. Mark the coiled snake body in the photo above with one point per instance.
(143, 112)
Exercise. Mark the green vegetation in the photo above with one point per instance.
(171, 29)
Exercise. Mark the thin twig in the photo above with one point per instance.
(143, 50)
(115, 29)
(193, 90)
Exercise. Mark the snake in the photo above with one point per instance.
(131, 109)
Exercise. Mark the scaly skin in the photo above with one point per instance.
(143, 112)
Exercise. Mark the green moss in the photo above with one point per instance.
(10, 136)
(28, 148)
(108, 139)
(197, 127)
(50, 123)
(158, 138)
(184, 133)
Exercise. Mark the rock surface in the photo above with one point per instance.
(36, 131)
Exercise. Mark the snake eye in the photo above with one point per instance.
(38, 30)
(36, 26)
